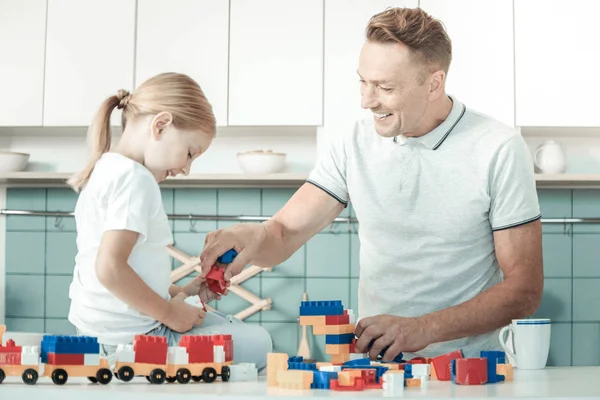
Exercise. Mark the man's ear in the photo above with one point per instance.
(436, 84)
(159, 123)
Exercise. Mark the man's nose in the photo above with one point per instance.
(368, 97)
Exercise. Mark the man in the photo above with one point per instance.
(449, 221)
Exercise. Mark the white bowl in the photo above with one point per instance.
(12, 162)
(261, 162)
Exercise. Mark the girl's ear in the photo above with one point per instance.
(159, 123)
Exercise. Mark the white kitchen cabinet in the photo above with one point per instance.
(276, 62)
(22, 44)
(345, 24)
(186, 36)
(481, 73)
(557, 58)
(89, 57)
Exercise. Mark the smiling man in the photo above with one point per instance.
(449, 221)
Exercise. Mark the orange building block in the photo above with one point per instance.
(323, 364)
(308, 320)
(333, 329)
(294, 379)
(506, 370)
(432, 374)
(339, 358)
(337, 349)
(413, 382)
(275, 362)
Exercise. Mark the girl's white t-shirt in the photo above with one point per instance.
(121, 194)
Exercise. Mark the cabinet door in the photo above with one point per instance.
(276, 62)
(187, 36)
(345, 24)
(481, 73)
(557, 55)
(22, 44)
(89, 57)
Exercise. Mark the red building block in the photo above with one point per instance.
(10, 347)
(417, 360)
(358, 385)
(150, 349)
(199, 348)
(442, 364)
(227, 342)
(65, 359)
(215, 279)
(471, 371)
(7, 358)
(337, 319)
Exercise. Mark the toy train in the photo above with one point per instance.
(202, 357)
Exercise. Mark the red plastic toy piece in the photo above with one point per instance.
(10, 347)
(442, 364)
(200, 348)
(358, 385)
(215, 279)
(66, 359)
(417, 360)
(471, 371)
(150, 349)
(337, 319)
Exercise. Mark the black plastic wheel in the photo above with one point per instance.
(2, 375)
(225, 373)
(157, 376)
(59, 376)
(92, 379)
(126, 373)
(209, 375)
(30, 376)
(148, 379)
(196, 378)
(171, 379)
(183, 375)
(104, 376)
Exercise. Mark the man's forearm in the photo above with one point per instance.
(277, 246)
(490, 310)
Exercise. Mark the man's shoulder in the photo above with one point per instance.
(485, 130)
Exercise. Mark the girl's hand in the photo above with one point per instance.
(199, 287)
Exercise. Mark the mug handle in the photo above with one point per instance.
(535, 157)
(502, 337)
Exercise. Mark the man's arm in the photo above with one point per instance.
(519, 253)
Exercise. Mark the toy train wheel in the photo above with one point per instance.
(157, 376)
(183, 375)
(125, 373)
(196, 378)
(2, 375)
(30, 376)
(104, 376)
(59, 376)
(171, 379)
(92, 379)
(209, 375)
(225, 373)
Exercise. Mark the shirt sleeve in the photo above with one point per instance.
(514, 198)
(130, 206)
(330, 172)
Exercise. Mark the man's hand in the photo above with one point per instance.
(397, 334)
(199, 287)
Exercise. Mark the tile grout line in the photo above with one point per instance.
(572, 281)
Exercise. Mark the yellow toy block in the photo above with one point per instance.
(337, 349)
(346, 378)
(312, 320)
(333, 329)
(295, 379)
(506, 370)
(340, 358)
(275, 362)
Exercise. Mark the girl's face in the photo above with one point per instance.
(171, 151)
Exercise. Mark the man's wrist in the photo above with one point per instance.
(428, 328)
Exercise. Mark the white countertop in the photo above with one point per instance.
(552, 382)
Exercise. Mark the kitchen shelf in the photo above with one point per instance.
(58, 179)
(278, 180)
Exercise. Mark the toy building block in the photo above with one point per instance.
(469, 371)
(215, 279)
(442, 364)
(505, 370)
(393, 384)
(150, 349)
(358, 385)
(337, 349)
(421, 371)
(363, 361)
(295, 379)
(413, 382)
(228, 257)
(326, 307)
(275, 362)
(338, 359)
(333, 329)
(337, 319)
(330, 368)
(345, 338)
(312, 320)
(432, 373)
(494, 358)
(322, 379)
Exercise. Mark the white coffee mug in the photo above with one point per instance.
(531, 341)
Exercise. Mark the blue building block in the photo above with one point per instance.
(68, 345)
(452, 371)
(361, 361)
(302, 366)
(295, 359)
(322, 379)
(379, 369)
(326, 307)
(408, 371)
(228, 257)
(494, 358)
(345, 338)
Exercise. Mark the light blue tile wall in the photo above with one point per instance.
(40, 253)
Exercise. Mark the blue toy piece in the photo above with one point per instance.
(228, 257)
(493, 358)
(360, 361)
(345, 338)
(322, 379)
(302, 366)
(295, 359)
(68, 345)
(453, 371)
(315, 308)
(408, 371)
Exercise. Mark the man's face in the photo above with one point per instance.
(393, 88)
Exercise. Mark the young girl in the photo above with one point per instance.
(121, 282)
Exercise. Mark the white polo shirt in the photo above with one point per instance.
(427, 208)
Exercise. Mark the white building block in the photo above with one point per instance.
(243, 372)
(330, 368)
(351, 316)
(419, 370)
(194, 301)
(393, 384)
(177, 355)
(125, 353)
(358, 356)
(30, 355)
(91, 359)
(218, 354)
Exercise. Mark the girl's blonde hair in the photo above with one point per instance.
(175, 93)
